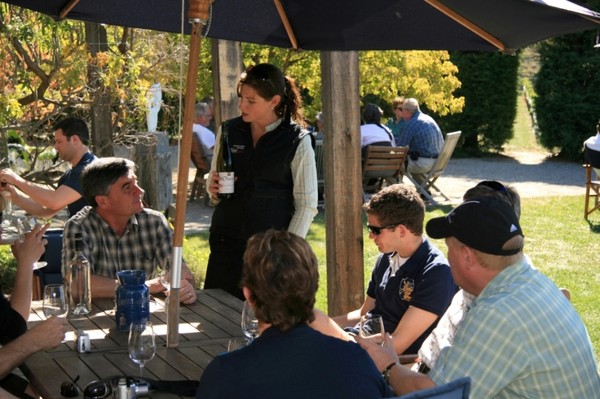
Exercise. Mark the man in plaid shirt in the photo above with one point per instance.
(119, 233)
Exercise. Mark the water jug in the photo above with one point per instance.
(132, 299)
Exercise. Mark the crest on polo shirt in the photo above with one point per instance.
(407, 286)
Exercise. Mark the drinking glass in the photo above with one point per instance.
(249, 322)
(142, 343)
(372, 326)
(55, 301)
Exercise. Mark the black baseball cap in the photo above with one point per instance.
(484, 224)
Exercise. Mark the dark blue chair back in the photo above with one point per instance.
(52, 273)
(592, 157)
(457, 389)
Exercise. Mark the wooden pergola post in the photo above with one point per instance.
(227, 68)
(343, 185)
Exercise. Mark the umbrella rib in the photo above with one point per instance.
(286, 24)
(467, 24)
(67, 9)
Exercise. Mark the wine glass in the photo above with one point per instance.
(372, 326)
(55, 301)
(249, 322)
(142, 343)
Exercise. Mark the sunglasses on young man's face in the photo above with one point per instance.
(376, 230)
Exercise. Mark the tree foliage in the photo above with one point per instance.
(567, 93)
(489, 87)
(45, 66)
(429, 76)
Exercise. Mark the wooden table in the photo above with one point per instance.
(204, 331)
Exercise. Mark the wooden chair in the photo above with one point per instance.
(459, 388)
(438, 168)
(320, 172)
(383, 164)
(592, 186)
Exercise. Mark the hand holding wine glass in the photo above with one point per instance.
(55, 301)
(142, 343)
(249, 322)
(372, 326)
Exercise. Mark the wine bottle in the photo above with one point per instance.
(225, 165)
(80, 293)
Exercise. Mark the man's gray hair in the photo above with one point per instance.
(201, 109)
(101, 174)
(411, 104)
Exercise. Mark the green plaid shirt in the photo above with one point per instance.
(146, 243)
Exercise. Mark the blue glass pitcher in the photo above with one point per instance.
(132, 299)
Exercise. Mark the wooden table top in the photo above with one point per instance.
(205, 329)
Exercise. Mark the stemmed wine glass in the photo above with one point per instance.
(55, 301)
(142, 343)
(249, 322)
(372, 326)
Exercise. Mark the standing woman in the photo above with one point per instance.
(275, 173)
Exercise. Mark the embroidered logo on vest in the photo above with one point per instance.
(407, 286)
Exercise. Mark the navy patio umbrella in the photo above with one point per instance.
(347, 24)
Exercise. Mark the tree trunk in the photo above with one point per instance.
(96, 40)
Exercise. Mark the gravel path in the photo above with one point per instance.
(531, 174)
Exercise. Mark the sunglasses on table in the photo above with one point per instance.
(376, 230)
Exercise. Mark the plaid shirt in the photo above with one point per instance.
(146, 243)
(422, 134)
(521, 338)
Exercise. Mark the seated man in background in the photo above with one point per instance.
(206, 137)
(372, 132)
(411, 285)
(593, 144)
(396, 123)
(18, 343)
(521, 336)
(119, 233)
(71, 139)
(289, 359)
(423, 137)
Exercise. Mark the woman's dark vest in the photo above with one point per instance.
(264, 186)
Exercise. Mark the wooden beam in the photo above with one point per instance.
(467, 24)
(67, 9)
(286, 24)
(343, 183)
(227, 66)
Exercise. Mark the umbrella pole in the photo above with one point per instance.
(198, 15)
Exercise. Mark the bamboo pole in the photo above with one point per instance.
(198, 16)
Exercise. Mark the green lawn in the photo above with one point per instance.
(559, 241)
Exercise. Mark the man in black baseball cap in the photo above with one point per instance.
(486, 224)
(520, 337)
